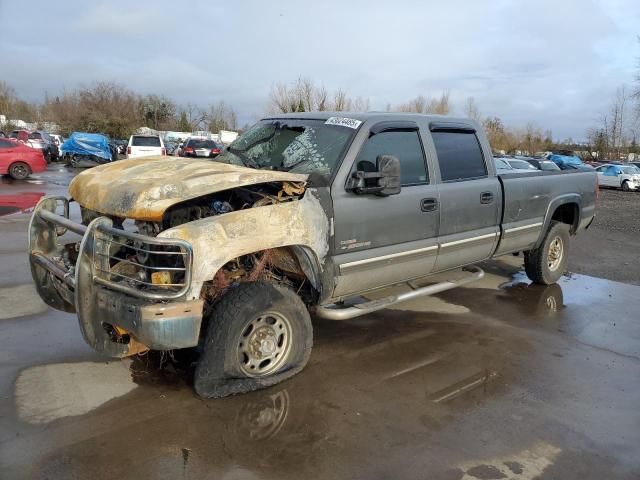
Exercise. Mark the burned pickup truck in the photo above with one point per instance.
(302, 213)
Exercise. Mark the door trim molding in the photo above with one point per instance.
(469, 240)
(357, 263)
(524, 227)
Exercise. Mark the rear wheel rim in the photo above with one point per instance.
(264, 345)
(20, 171)
(555, 254)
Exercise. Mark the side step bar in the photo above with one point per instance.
(333, 312)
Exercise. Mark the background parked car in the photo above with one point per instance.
(171, 147)
(58, 140)
(38, 139)
(42, 140)
(145, 146)
(543, 164)
(20, 135)
(18, 160)
(200, 147)
(86, 150)
(626, 177)
(122, 146)
(569, 162)
(503, 165)
(520, 164)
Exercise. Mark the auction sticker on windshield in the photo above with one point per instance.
(343, 122)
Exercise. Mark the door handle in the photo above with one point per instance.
(486, 197)
(429, 204)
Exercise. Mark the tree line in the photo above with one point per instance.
(117, 111)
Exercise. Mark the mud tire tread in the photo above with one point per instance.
(535, 260)
(215, 376)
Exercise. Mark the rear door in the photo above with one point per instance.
(470, 197)
(384, 240)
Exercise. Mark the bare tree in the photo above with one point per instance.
(196, 117)
(471, 110)
(340, 101)
(361, 104)
(222, 117)
(321, 98)
(440, 106)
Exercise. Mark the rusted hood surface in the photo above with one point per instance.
(144, 188)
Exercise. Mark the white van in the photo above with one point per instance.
(145, 146)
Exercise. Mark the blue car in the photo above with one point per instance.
(86, 150)
(570, 162)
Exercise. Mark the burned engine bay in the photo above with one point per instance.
(150, 267)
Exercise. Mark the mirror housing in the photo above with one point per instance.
(384, 181)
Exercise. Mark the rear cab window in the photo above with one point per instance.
(459, 155)
(143, 141)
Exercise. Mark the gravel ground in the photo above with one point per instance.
(611, 247)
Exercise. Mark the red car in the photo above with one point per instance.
(18, 160)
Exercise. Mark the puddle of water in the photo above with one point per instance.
(49, 392)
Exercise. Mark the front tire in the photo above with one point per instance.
(19, 170)
(547, 263)
(258, 335)
(625, 186)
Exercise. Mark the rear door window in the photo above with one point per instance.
(404, 145)
(145, 141)
(459, 155)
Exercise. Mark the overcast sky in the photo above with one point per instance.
(554, 62)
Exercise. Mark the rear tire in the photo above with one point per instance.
(258, 335)
(19, 170)
(625, 186)
(547, 263)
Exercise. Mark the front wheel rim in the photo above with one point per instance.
(556, 251)
(264, 344)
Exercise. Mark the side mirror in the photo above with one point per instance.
(384, 181)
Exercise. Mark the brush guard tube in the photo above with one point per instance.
(161, 321)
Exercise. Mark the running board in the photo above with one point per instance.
(334, 312)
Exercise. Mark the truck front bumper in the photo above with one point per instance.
(115, 318)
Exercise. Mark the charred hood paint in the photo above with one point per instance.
(144, 188)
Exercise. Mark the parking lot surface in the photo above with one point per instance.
(500, 380)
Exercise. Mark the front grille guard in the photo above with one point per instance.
(104, 236)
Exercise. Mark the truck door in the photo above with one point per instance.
(470, 196)
(384, 240)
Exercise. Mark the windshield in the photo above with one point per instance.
(502, 165)
(202, 144)
(295, 145)
(523, 164)
(631, 170)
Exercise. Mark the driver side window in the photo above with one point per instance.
(406, 146)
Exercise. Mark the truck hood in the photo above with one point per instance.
(144, 188)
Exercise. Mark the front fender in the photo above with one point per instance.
(219, 239)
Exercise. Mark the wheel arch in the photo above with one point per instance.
(566, 209)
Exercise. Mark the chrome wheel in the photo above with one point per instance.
(264, 345)
(556, 251)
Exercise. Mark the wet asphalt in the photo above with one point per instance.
(499, 380)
